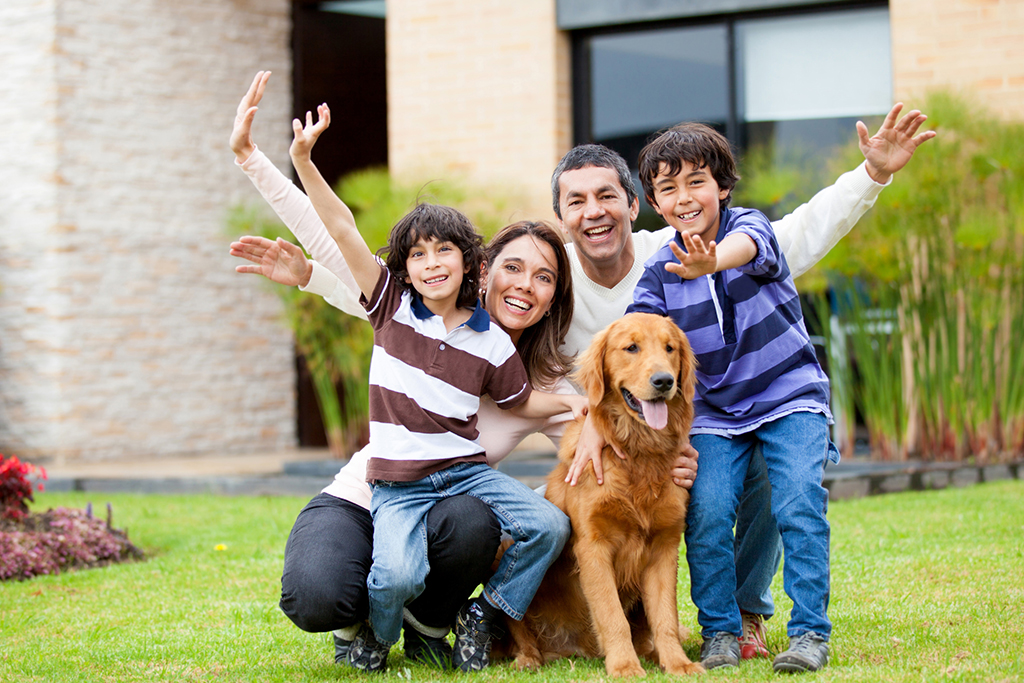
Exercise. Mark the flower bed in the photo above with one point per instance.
(33, 544)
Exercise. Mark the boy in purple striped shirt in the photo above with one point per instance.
(725, 282)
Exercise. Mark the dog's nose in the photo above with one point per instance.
(662, 381)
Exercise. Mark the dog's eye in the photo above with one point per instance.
(668, 348)
(632, 348)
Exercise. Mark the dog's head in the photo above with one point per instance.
(642, 360)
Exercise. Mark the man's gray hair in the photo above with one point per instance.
(582, 156)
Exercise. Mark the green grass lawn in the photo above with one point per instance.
(925, 587)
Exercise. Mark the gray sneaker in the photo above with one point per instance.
(473, 635)
(807, 652)
(341, 648)
(722, 650)
(366, 653)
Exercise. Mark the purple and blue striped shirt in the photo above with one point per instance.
(755, 361)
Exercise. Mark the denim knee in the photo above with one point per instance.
(556, 529)
(404, 582)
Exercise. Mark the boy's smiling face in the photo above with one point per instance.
(436, 270)
(690, 200)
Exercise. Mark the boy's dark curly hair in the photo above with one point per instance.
(446, 224)
(700, 145)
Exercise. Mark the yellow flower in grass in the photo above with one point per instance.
(220, 546)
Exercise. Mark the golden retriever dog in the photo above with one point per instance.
(613, 590)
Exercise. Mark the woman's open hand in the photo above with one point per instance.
(280, 261)
(241, 134)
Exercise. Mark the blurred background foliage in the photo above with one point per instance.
(336, 347)
(919, 303)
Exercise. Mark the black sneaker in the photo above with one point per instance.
(341, 647)
(807, 652)
(366, 653)
(474, 632)
(419, 647)
(722, 650)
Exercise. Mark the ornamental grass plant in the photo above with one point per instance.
(926, 292)
(925, 587)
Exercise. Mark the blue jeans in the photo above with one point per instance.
(400, 566)
(758, 547)
(795, 449)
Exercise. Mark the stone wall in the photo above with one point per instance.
(479, 89)
(124, 330)
(974, 47)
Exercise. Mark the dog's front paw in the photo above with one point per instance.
(685, 669)
(624, 668)
(525, 662)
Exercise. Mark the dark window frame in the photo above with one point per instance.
(582, 97)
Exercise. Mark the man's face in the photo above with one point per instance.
(596, 215)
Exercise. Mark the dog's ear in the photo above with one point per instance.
(687, 364)
(590, 367)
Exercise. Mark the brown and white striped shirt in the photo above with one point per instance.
(426, 384)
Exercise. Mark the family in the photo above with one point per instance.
(473, 344)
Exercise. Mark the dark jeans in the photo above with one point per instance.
(328, 557)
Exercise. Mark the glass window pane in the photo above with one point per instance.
(644, 81)
(820, 66)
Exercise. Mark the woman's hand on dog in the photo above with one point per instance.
(588, 450)
(590, 446)
(685, 470)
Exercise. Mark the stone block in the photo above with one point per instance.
(964, 476)
(843, 488)
(995, 473)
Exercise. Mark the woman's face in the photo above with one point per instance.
(521, 284)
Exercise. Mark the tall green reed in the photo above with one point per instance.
(928, 291)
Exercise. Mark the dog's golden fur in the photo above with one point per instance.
(613, 590)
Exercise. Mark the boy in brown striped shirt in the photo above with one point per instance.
(435, 353)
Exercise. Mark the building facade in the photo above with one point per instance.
(583, 70)
(124, 330)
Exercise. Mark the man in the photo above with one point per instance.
(596, 203)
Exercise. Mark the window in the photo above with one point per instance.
(782, 82)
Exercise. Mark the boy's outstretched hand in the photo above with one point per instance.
(889, 150)
(699, 259)
(306, 136)
(241, 135)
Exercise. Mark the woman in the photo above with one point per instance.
(528, 293)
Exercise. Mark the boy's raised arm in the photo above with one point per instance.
(335, 215)
(814, 228)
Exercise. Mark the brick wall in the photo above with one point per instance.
(971, 46)
(479, 89)
(123, 328)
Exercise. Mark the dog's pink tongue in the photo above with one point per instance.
(655, 413)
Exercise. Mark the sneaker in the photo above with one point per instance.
(341, 647)
(473, 635)
(753, 642)
(807, 652)
(419, 647)
(366, 653)
(722, 650)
